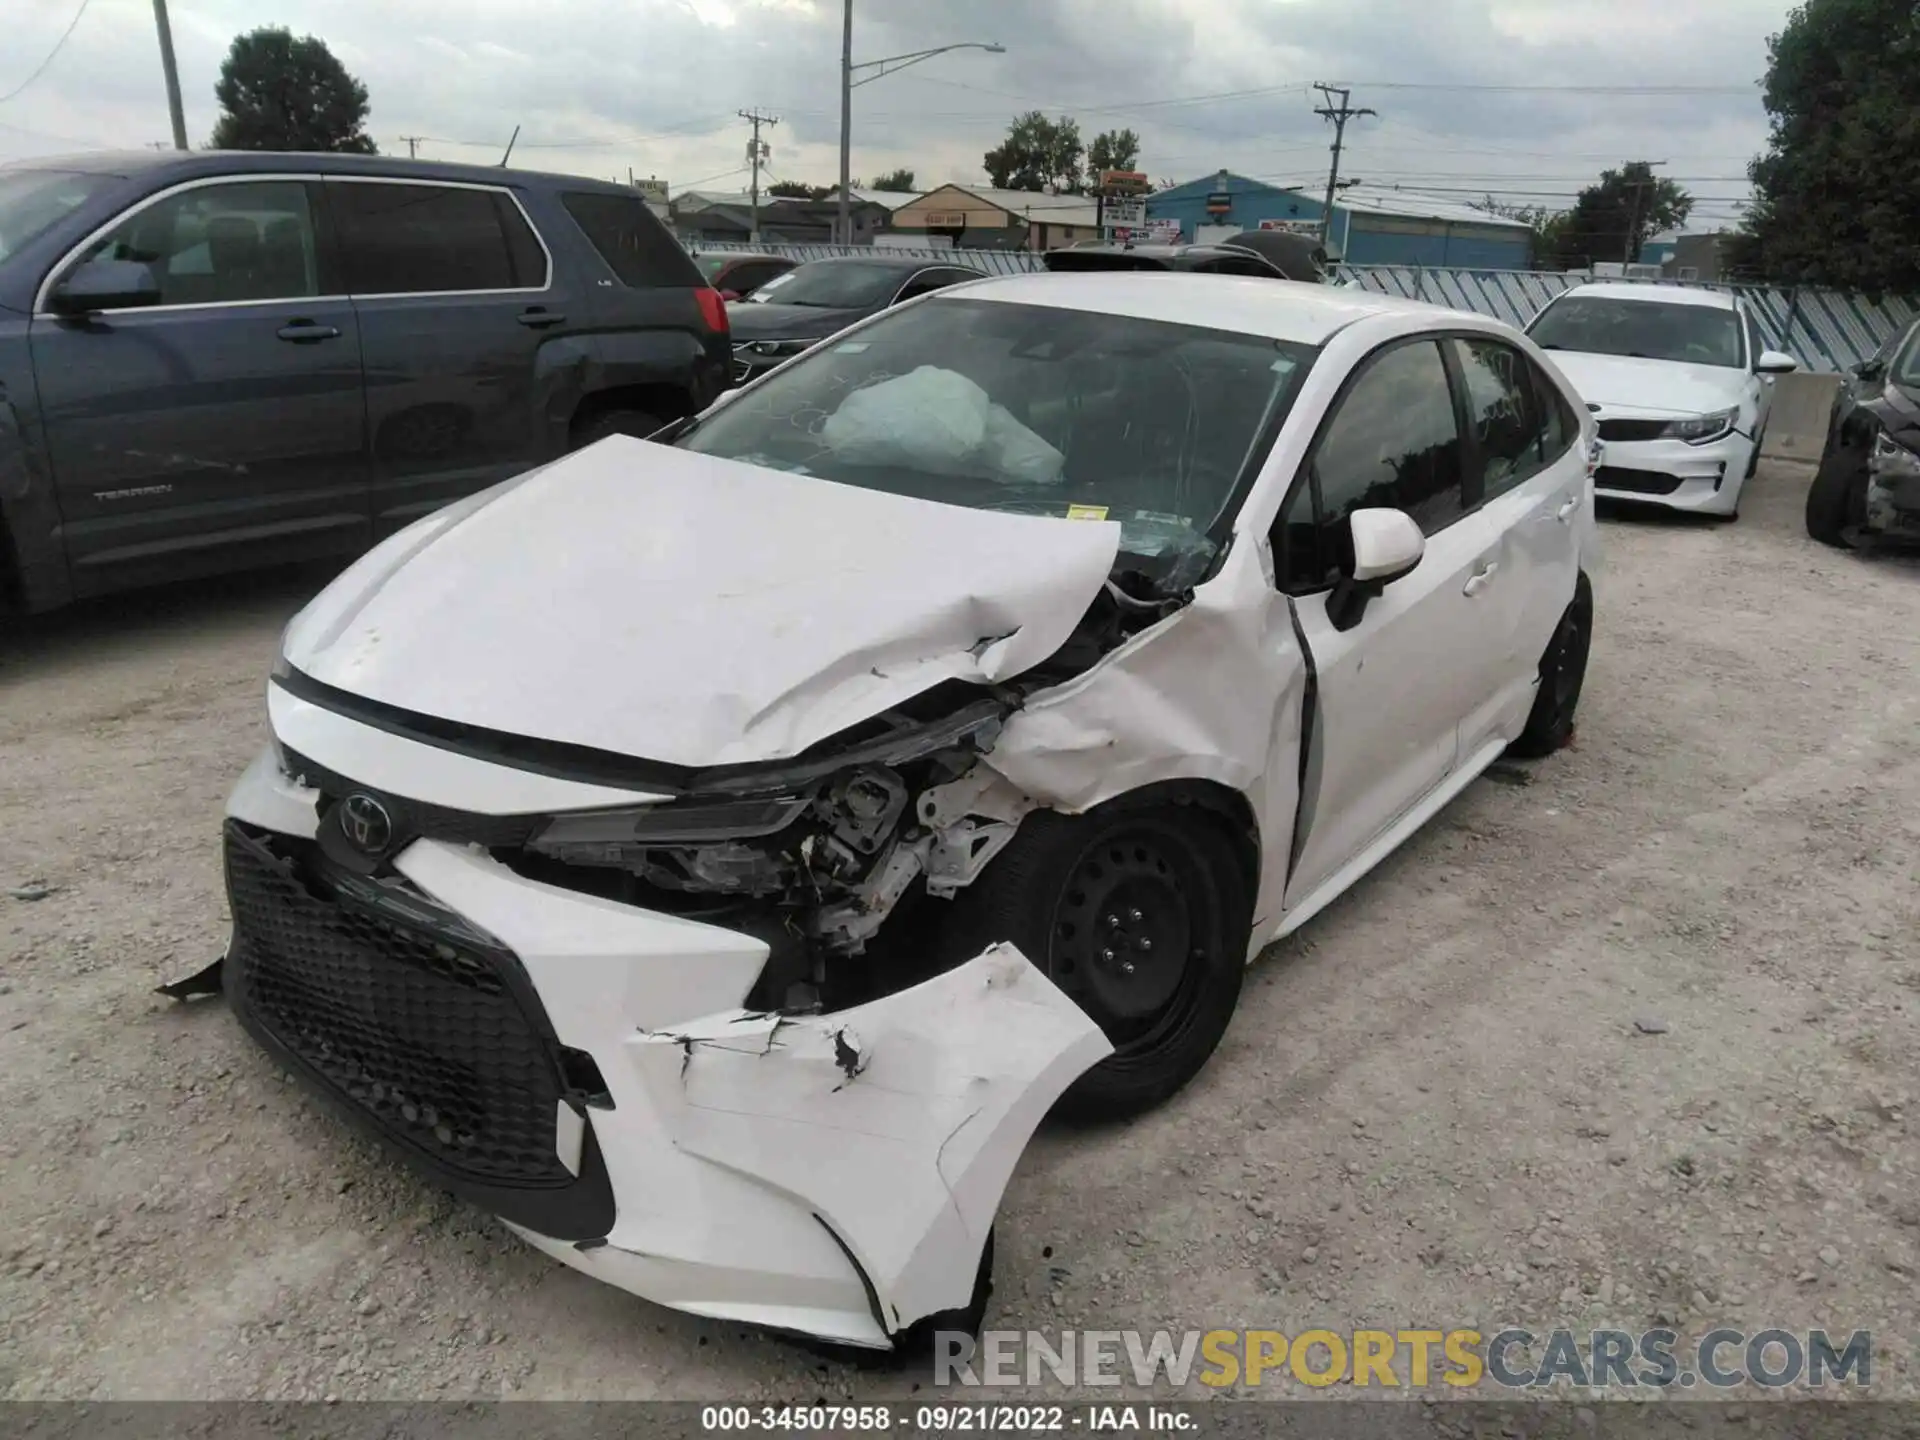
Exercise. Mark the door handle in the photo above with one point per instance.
(305, 332)
(538, 319)
(1477, 581)
(1566, 511)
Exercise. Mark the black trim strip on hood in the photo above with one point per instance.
(978, 722)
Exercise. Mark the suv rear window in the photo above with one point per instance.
(421, 239)
(636, 246)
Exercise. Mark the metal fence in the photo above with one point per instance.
(1827, 330)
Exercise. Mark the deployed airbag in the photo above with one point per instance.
(940, 422)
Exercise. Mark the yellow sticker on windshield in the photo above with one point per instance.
(1086, 512)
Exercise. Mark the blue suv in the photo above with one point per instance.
(221, 360)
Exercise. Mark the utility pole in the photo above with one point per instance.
(1339, 117)
(1633, 217)
(757, 152)
(172, 72)
(845, 227)
(413, 145)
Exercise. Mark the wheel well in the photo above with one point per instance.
(663, 402)
(1229, 806)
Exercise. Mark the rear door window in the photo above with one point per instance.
(636, 246)
(404, 239)
(1503, 412)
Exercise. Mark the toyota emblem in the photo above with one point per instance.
(366, 824)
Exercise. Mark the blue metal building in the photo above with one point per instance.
(1371, 225)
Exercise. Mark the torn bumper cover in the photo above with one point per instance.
(585, 1069)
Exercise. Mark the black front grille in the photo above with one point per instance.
(1638, 482)
(1632, 429)
(421, 1024)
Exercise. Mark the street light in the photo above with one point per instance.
(886, 66)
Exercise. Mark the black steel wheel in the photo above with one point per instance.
(1140, 914)
(1563, 673)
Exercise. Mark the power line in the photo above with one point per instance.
(1556, 89)
(41, 68)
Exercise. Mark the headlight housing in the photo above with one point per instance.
(1892, 459)
(1703, 429)
(780, 348)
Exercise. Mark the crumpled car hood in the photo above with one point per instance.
(652, 602)
(1655, 387)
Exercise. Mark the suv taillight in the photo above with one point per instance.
(713, 309)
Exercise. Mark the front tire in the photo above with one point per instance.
(1142, 915)
(1563, 673)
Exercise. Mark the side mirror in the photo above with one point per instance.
(105, 285)
(730, 295)
(1775, 362)
(1387, 546)
(1868, 369)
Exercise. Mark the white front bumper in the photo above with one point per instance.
(1703, 478)
(834, 1175)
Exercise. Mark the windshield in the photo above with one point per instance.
(1643, 329)
(831, 285)
(32, 200)
(1032, 410)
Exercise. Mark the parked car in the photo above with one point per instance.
(1274, 254)
(716, 856)
(822, 297)
(1680, 381)
(213, 360)
(1868, 484)
(738, 276)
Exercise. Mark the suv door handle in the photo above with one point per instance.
(536, 318)
(1477, 581)
(1566, 511)
(305, 332)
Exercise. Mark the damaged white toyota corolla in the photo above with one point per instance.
(716, 856)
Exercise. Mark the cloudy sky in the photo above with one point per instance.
(1528, 98)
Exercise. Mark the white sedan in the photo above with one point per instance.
(1680, 381)
(716, 856)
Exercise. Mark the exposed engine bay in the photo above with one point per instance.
(839, 859)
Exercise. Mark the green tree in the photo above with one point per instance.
(1112, 150)
(281, 93)
(1839, 185)
(1612, 219)
(1039, 154)
(798, 190)
(901, 180)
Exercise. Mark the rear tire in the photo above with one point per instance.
(1836, 500)
(1563, 673)
(637, 423)
(1142, 915)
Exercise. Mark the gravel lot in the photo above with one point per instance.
(1435, 1105)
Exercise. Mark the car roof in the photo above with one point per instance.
(1662, 294)
(1250, 305)
(197, 164)
(888, 262)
